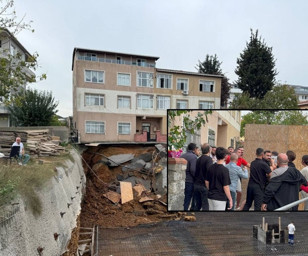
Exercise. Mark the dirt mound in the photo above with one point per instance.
(98, 210)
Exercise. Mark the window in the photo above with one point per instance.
(91, 56)
(304, 97)
(145, 79)
(144, 101)
(123, 102)
(124, 128)
(206, 105)
(141, 62)
(123, 79)
(94, 99)
(94, 76)
(181, 104)
(211, 137)
(119, 61)
(163, 102)
(206, 86)
(95, 127)
(163, 81)
(12, 49)
(182, 84)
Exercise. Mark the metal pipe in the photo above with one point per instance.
(288, 206)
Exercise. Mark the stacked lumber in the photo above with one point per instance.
(38, 142)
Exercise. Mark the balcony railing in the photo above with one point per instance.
(114, 61)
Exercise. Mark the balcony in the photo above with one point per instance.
(145, 137)
(115, 61)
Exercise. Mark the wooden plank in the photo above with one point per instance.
(145, 199)
(113, 196)
(139, 188)
(126, 192)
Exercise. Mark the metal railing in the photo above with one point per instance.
(114, 61)
(288, 206)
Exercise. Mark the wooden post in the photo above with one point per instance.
(263, 223)
(266, 226)
(279, 224)
(273, 236)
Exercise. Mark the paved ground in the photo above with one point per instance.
(212, 234)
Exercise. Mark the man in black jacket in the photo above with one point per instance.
(283, 187)
(191, 157)
(200, 190)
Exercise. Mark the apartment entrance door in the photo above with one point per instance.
(147, 127)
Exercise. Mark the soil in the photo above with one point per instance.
(98, 210)
(73, 244)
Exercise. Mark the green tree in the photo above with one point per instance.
(33, 108)
(291, 117)
(256, 67)
(280, 97)
(13, 65)
(211, 65)
(177, 134)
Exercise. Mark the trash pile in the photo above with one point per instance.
(126, 186)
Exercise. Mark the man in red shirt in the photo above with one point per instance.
(240, 162)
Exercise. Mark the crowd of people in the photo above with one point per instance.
(214, 179)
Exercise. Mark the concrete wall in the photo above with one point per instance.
(26, 233)
(278, 138)
(176, 183)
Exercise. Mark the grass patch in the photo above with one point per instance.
(28, 180)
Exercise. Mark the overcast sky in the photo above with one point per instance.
(179, 32)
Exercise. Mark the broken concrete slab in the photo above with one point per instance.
(116, 160)
(134, 181)
(126, 192)
(113, 196)
(147, 157)
(135, 165)
(148, 166)
(162, 150)
(139, 188)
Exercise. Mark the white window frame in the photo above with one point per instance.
(95, 128)
(210, 104)
(142, 97)
(161, 100)
(124, 123)
(94, 95)
(92, 71)
(124, 96)
(178, 101)
(185, 86)
(206, 85)
(122, 73)
(149, 80)
(165, 77)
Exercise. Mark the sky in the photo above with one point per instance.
(179, 32)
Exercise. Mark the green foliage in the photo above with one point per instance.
(177, 134)
(280, 97)
(55, 121)
(291, 117)
(256, 67)
(33, 108)
(211, 65)
(13, 66)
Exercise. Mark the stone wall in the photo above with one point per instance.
(25, 233)
(176, 183)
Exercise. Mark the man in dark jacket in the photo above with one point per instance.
(283, 187)
(200, 190)
(291, 156)
(191, 157)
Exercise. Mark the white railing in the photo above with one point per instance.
(288, 206)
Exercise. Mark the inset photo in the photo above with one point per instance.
(237, 160)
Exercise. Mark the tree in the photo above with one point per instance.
(33, 108)
(280, 97)
(256, 67)
(177, 134)
(13, 64)
(211, 65)
(291, 117)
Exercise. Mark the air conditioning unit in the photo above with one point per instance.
(185, 92)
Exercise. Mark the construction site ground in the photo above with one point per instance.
(217, 233)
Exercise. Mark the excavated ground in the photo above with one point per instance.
(98, 210)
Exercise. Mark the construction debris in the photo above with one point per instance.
(113, 196)
(126, 192)
(116, 160)
(139, 188)
(145, 199)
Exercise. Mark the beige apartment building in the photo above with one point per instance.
(221, 130)
(120, 97)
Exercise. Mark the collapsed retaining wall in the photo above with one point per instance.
(176, 183)
(26, 234)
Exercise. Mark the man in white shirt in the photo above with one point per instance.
(291, 229)
(22, 156)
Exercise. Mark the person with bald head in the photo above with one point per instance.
(24, 158)
(283, 187)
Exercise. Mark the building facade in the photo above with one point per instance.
(222, 129)
(120, 97)
(301, 92)
(9, 45)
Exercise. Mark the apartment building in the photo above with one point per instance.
(10, 45)
(121, 97)
(222, 129)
